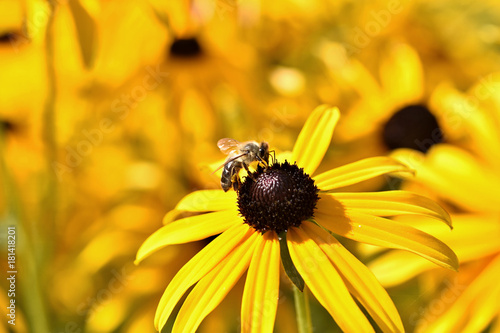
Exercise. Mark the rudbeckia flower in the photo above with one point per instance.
(465, 179)
(390, 113)
(280, 211)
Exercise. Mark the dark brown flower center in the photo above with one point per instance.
(8, 37)
(277, 198)
(185, 48)
(414, 126)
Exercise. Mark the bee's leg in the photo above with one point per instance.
(248, 170)
(261, 160)
(235, 179)
(246, 167)
(237, 184)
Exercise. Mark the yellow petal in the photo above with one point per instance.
(456, 175)
(383, 232)
(475, 305)
(260, 297)
(358, 279)
(465, 235)
(325, 283)
(202, 263)
(203, 201)
(462, 117)
(474, 236)
(188, 229)
(315, 137)
(357, 172)
(349, 72)
(402, 76)
(392, 203)
(395, 267)
(207, 200)
(212, 288)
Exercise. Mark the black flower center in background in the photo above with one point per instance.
(8, 126)
(8, 37)
(185, 48)
(414, 126)
(277, 198)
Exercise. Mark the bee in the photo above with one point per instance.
(240, 155)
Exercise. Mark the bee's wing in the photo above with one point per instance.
(228, 146)
(229, 159)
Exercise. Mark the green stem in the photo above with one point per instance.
(37, 244)
(27, 276)
(303, 311)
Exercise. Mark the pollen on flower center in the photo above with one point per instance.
(277, 198)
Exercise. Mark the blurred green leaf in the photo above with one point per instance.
(86, 28)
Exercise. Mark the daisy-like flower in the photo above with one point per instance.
(391, 114)
(281, 211)
(467, 180)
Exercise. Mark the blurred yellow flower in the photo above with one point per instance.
(400, 94)
(466, 179)
(263, 218)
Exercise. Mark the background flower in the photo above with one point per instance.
(464, 179)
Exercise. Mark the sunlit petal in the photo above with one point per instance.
(474, 236)
(358, 171)
(475, 306)
(325, 282)
(456, 175)
(213, 287)
(315, 137)
(383, 232)
(392, 203)
(461, 118)
(202, 263)
(358, 279)
(395, 267)
(260, 297)
(202, 201)
(188, 229)
(466, 233)
(401, 74)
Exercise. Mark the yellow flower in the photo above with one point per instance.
(384, 114)
(283, 199)
(467, 180)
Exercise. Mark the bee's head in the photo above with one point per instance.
(264, 151)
